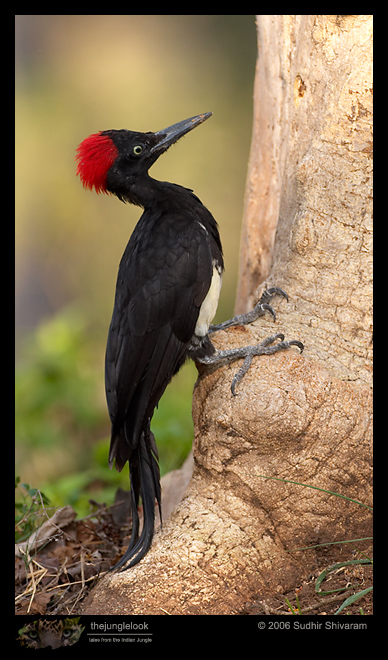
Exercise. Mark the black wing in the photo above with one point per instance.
(163, 278)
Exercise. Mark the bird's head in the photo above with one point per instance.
(113, 161)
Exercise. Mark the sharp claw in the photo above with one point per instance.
(233, 386)
(295, 342)
(269, 309)
(271, 292)
(270, 340)
(241, 373)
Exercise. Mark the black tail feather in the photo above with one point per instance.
(145, 483)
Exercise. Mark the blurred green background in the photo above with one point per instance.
(76, 75)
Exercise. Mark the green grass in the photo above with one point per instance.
(62, 423)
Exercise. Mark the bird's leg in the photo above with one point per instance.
(220, 358)
(259, 310)
(266, 347)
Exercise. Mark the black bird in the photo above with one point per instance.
(167, 292)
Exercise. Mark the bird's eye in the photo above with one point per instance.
(137, 150)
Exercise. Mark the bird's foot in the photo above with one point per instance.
(247, 353)
(219, 358)
(260, 309)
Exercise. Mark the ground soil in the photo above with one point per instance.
(55, 579)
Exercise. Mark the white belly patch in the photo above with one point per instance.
(209, 305)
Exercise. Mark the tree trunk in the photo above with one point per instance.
(299, 418)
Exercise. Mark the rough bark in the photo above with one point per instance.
(301, 418)
(310, 184)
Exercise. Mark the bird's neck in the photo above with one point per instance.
(148, 193)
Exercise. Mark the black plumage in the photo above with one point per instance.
(167, 292)
(164, 277)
